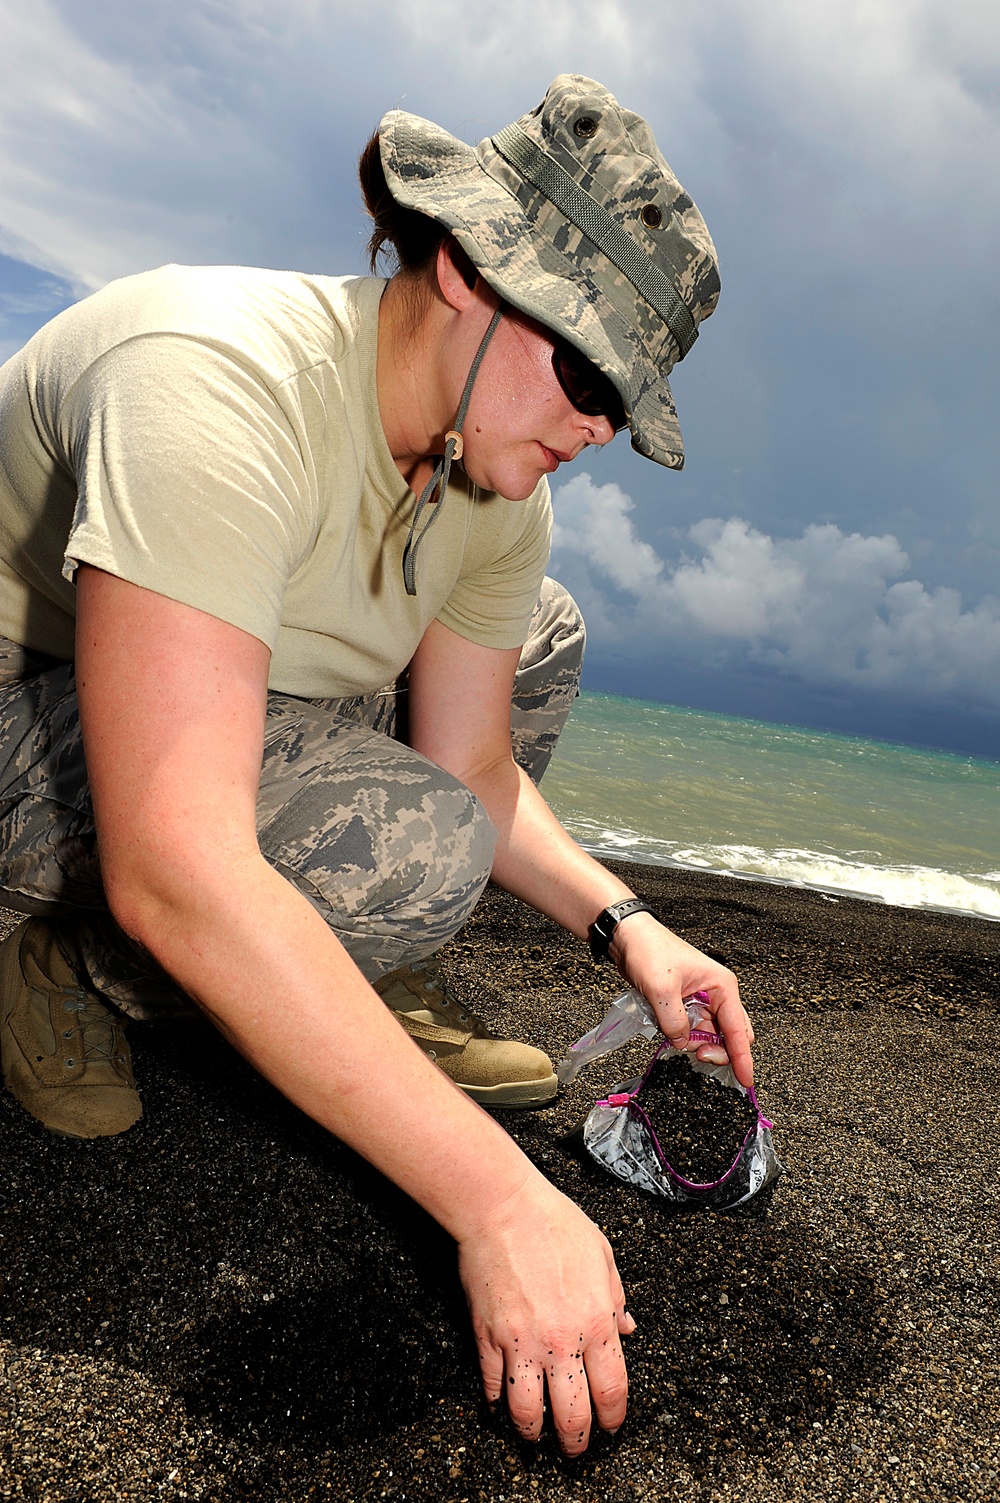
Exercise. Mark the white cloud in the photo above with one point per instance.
(492, 33)
(830, 607)
(183, 127)
(106, 163)
(594, 521)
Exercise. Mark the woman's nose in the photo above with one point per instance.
(598, 428)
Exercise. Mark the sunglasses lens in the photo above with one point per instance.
(589, 390)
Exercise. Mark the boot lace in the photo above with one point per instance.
(429, 971)
(99, 1030)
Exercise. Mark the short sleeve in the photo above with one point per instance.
(191, 479)
(492, 601)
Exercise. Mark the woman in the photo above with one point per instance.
(213, 558)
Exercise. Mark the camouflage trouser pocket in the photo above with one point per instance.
(393, 851)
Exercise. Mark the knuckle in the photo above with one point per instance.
(561, 1341)
(525, 1411)
(571, 1429)
(602, 1324)
(615, 1391)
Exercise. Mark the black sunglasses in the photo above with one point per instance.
(590, 390)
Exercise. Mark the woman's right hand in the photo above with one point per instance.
(548, 1311)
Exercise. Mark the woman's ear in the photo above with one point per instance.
(458, 280)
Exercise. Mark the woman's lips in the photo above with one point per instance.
(553, 458)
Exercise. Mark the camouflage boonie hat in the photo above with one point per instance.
(574, 217)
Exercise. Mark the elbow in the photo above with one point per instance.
(485, 776)
(137, 914)
(143, 902)
(159, 893)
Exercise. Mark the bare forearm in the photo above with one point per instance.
(537, 860)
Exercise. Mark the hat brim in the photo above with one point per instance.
(505, 228)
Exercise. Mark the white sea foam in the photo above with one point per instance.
(896, 824)
(972, 893)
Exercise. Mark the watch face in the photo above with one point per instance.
(602, 930)
(599, 934)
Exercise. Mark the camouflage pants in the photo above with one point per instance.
(393, 851)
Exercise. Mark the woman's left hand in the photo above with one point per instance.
(665, 969)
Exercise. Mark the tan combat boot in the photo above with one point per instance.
(63, 1051)
(494, 1072)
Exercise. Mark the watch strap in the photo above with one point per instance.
(603, 928)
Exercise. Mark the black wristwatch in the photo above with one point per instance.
(602, 929)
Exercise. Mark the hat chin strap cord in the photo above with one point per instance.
(453, 448)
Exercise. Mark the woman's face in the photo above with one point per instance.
(521, 425)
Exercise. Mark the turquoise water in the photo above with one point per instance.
(652, 782)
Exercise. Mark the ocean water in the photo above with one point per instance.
(652, 782)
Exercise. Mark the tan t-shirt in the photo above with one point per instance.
(212, 433)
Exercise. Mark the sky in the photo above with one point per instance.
(829, 555)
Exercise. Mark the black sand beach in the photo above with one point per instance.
(226, 1305)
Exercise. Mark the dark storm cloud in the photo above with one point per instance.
(843, 154)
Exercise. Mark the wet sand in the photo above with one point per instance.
(224, 1304)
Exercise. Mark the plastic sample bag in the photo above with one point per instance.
(685, 1130)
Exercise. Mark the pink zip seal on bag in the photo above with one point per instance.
(619, 1135)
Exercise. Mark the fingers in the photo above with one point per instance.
(491, 1367)
(524, 1387)
(585, 1379)
(674, 1021)
(624, 1321)
(665, 969)
(734, 1025)
(594, 1375)
(563, 1372)
(570, 1396)
(732, 1022)
(605, 1360)
(608, 1382)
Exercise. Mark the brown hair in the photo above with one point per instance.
(407, 235)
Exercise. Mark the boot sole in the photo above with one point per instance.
(522, 1093)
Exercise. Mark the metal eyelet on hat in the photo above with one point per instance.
(651, 216)
(585, 127)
